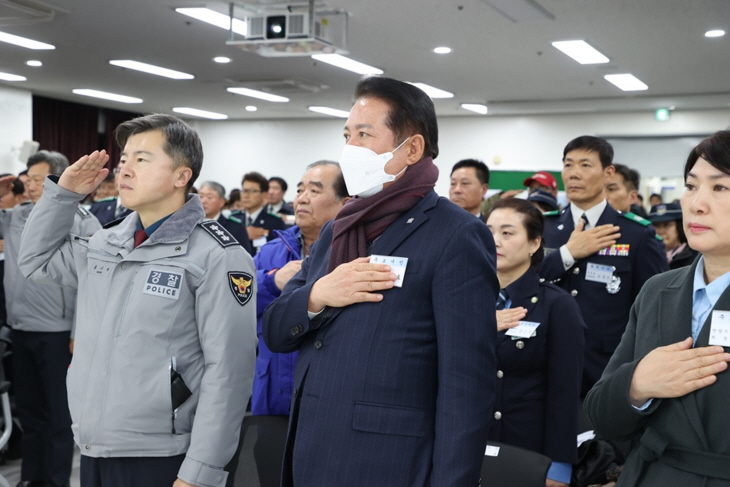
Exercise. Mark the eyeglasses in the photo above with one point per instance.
(250, 191)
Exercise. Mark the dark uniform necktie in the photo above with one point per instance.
(139, 237)
(249, 221)
(585, 221)
(502, 299)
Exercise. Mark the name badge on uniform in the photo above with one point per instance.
(720, 328)
(525, 329)
(599, 273)
(397, 266)
(617, 250)
(259, 242)
(163, 284)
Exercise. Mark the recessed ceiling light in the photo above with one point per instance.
(715, 33)
(581, 51)
(34, 63)
(433, 92)
(222, 60)
(214, 18)
(347, 63)
(12, 77)
(251, 108)
(200, 113)
(107, 96)
(442, 50)
(261, 95)
(24, 42)
(333, 112)
(475, 107)
(627, 82)
(151, 69)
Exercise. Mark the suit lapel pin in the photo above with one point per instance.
(534, 300)
(561, 226)
(410, 220)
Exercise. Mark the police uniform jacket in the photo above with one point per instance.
(33, 306)
(680, 441)
(184, 300)
(398, 392)
(539, 378)
(105, 210)
(636, 257)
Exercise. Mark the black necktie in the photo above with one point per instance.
(585, 221)
(502, 299)
(249, 221)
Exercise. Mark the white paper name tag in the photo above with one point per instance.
(397, 266)
(599, 273)
(491, 451)
(720, 328)
(259, 242)
(525, 329)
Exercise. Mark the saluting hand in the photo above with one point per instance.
(509, 318)
(352, 282)
(676, 370)
(584, 243)
(86, 174)
(6, 184)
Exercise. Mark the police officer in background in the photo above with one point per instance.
(213, 198)
(598, 255)
(166, 328)
(108, 209)
(41, 317)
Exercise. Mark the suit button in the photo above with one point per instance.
(574, 292)
(123, 266)
(520, 344)
(500, 374)
(296, 329)
(497, 415)
(576, 270)
(87, 447)
(318, 344)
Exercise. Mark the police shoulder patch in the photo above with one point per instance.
(241, 284)
(220, 234)
(636, 218)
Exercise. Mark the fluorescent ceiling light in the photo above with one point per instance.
(200, 113)
(347, 63)
(151, 69)
(715, 33)
(475, 107)
(258, 94)
(12, 77)
(222, 59)
(34, 63)
(330, 111)
(627, 82)
(581, 51)
(251, 108)
(442, 50)
(214, 18)
(433, 92)
(24, 42)
(107, 96)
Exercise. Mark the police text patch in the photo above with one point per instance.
(164, 284)
(241, 285)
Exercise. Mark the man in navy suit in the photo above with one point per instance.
(393, 315)
(259, 222)
(599, 255)
(110, 208)
(213, 198)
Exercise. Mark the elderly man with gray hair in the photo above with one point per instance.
(213, 198)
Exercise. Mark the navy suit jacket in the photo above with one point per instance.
(538, 389)
(398, 392)
(104, 211)
(605, 308)
(238, 230)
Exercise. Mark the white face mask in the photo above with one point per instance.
(364, 170)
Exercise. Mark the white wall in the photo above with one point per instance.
(16, 126)
(284, 148)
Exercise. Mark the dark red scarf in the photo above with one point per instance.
(362, 220)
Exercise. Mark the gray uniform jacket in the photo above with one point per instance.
(33, 306)
(185, 298)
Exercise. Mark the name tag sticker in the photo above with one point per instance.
(259, 242)
(163, 284)
(599, 273)
(525, 329)
(720, 328)
(397, 266)
(491, 451)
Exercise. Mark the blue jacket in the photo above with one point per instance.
(272, 384)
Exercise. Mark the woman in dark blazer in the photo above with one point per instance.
(666, 387)
(539, 376)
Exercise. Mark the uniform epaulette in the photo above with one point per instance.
(83, 212)
(658, 238)
(235, 220)
(220, 234)
(276, 215)
(551, 213)
(108, 198)
(114, 223)
(636, 218)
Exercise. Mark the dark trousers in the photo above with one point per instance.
(130, 471)
(40, 364)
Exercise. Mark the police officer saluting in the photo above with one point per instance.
(166, 325)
